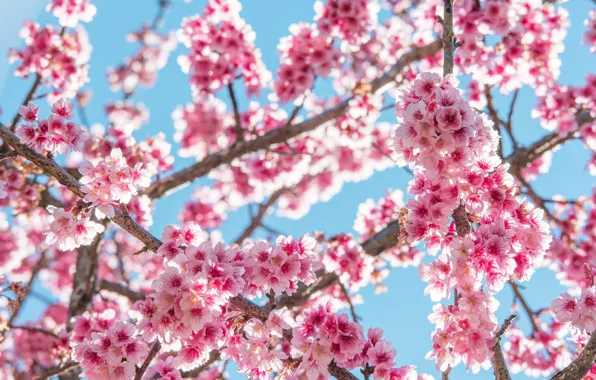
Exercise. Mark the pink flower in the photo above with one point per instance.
(70, 12)
(29, 112)
(382, 355)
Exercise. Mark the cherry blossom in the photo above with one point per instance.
(69, 230)
(70, 12)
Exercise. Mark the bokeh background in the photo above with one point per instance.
(402, 311)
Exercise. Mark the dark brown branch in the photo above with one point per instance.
(85, 277)
(385, 239)
(121, 290)
(257, 220)
(152, 353)
(349, 300)
(28, 98)
(582, 364)
(525, 305)
(462, 223)
(41, 263)
(35, 330)
(52, 169)
(448, 46)
(65, 367)
(508, 125)
(238, 126)
(500, 369)
(280, 135)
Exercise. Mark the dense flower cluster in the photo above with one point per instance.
(347, 20)
(59, 59)
(344, 256)
(141, 68)
(56, 134)
(112, 181)
(200, 126)
(532, 34)
(539, 354)
(107, 348)
(70, 230)
(70, 12)
(305, 54)
(221, 47)
(457, 172)
(581, 313)
(590, 35)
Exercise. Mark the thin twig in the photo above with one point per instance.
(238, 126)
(152, 353)
(525, 305)
(28, 98)
(349, 300)
(35, 330)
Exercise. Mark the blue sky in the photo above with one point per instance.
(402, 312)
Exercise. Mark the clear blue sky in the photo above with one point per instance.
(403, 311)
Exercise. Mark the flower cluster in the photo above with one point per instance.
(56, 134)
(59, 59)
(322, 335)
(590, 35)
(304, 54)
(111, 352)
(112, 181)
(532, 35)
(541, 353)
(70, 12)
(200, 126)
(347, 20)
(221, 47)
(581, 313)
(205, 209)
(142, 68)
(345, 257)
(69, 230)
(457, 173)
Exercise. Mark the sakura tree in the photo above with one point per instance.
(416, 85)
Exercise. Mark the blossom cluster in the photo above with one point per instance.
(221, 47)
(70, 12)
(56, 134)
(110, 350)
(69, 230)
(305, 54)
(141, 68)
(347, 19)
(112, 181)
(59, 60)
(532, 35)
(458, 173)
(581, 313)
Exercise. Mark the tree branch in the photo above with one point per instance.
(448, 46)
(65, 367)
(152, 353)
(121, 290)
(280, 135)
(238, 126)
(258, 219)
(28, 98)
(525, 305)
(52, 169)
(582, 364)
(500, 369)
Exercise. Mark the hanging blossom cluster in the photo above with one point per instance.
(221, 48)
(125, 118)
(70, 12)
(347, 20)
(107, 348)
(190, 298)
(61, 60)
(571, 255)
(142, 68)
(541, 353)
(54, 135)
(305, 54)
(457, 172)
(590, 35)
(581, 313)
(201, 125)
(71, 229)
(112, 181)
(531, 40)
